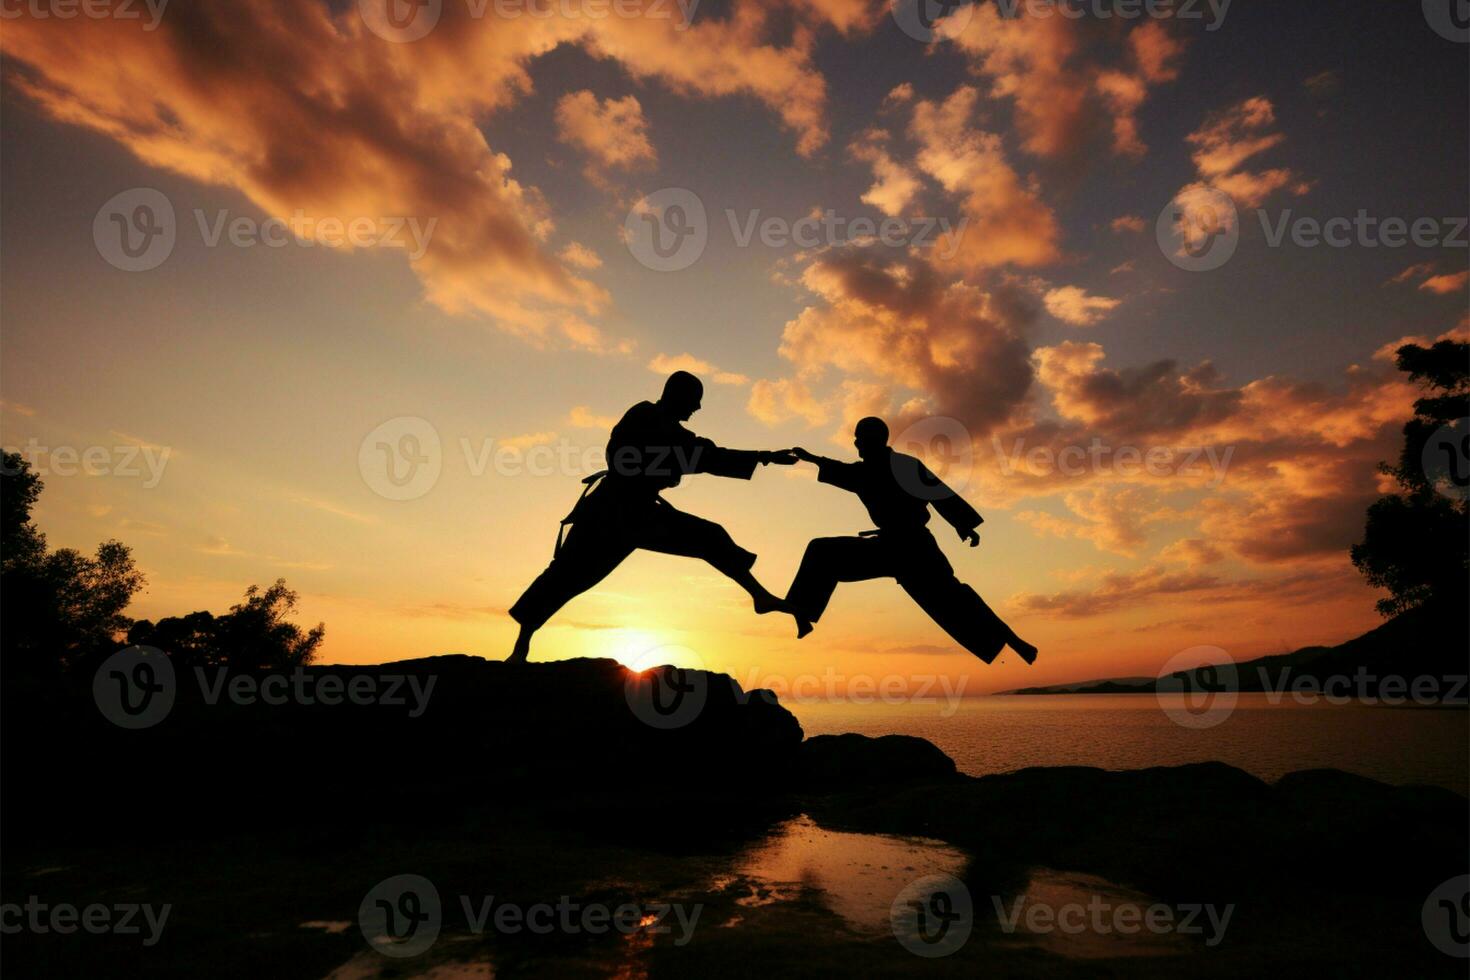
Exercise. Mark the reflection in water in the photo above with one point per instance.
(1081, 916)
(332, 928)
(1129, 731)
(856, 876)
(371, 965)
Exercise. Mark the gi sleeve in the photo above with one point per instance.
(950, 505)
(844, 476)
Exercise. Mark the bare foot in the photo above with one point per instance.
(521, 653)
(1027, 651)
(803, 626)
(768, 604)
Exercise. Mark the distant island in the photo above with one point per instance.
(1426, 646)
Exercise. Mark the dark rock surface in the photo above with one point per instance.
(582, 778)
(835, 761)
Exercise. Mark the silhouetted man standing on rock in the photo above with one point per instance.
(648, 452)
(897, 490)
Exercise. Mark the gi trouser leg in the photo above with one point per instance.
(828, 561)
(598, 543)
(929, 579)
(591, 551)
(670, 531)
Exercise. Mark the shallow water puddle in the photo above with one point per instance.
(857, 876)
(371, 965)
(1082, 916)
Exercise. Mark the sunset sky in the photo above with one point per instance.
(520, 146)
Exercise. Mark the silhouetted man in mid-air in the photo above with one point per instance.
(897, 490)
(648, 452)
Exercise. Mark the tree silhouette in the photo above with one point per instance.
(63, 609)
(59, 607)
(20, 542)
(253, 635)
(1417, 542)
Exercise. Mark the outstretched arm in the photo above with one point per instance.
(953, 508)
(740, 464)
(844, 476)
(806, 457)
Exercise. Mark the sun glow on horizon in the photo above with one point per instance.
(640, 650)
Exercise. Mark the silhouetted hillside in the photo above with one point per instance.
(1423, 643)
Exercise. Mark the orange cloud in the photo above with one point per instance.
(907, 341)
(1074, 305)
(1048, 66)
(1192, 551)
(1226, 141)
(895, 184)
(582, 417)
(311, 111)
(579, 255)
(1416, 271)
(1008, 223)
(612, 132)
(1112, 518)
(668, 364)
(774, 402)
(1446, 284)
(1119, 590)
